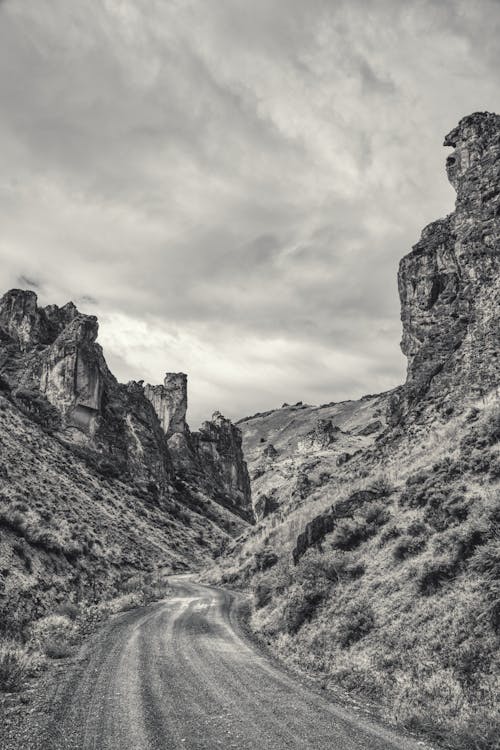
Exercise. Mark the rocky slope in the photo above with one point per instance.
(94, 481)
(375, 563)
(294, 451)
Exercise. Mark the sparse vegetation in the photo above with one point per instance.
(401, 601)
(15, 665)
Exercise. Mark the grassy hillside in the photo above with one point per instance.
(400, 602)
(70, 532)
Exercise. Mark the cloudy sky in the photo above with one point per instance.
(229, 185)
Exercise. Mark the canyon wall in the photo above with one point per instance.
(449, 283)
(54, 368)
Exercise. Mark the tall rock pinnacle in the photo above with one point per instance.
(170, 402)
(449, 284)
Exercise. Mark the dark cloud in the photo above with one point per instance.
(230, 186)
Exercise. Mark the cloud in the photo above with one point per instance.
(230, 186)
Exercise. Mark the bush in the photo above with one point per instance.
(54, 635)
(382, 486)
(486, 560)
(299, 608)
(408, 546)
(357, 622)
(262, 594)
(349, 534)
(434, 574)
(265, 559)
(14, 667)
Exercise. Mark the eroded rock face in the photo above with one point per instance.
(324, 523)
(324, 434)
(72, 376)
(449, 284)
(170, 402)
(218, 448)
(50, 355)
(52, 364)
(211, 458)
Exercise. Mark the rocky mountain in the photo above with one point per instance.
(375, 561)
(97, 477)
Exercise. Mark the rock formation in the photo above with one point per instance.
(449, 284)
(324, 523)
(211, 458)
(56, 371)
(218, 448)
(170, 402)
(322, 436)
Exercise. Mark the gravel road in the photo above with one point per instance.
(181, 674)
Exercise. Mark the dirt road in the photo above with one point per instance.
(180, 674)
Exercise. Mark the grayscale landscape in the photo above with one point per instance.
(308, 556)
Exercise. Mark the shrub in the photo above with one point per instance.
(434, 574)
(55, 635)
(349, 534)
(299, 608)
(486, 560)
(376, 515)
(265, 559)
(14, 667)
(447, 510)
(408, 546)
(391, 532)
(357, 622)
(262, 594)
(382, 486)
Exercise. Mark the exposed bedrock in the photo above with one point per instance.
(449, 283)
(170, 402)
(218, 447)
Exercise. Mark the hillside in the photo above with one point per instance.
(375, 564)
(292, 452)
(98, 480)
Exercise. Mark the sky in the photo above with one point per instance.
(230, 185)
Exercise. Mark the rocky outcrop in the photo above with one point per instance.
(211, 458)
(322, 436)
(323, 524)
(263, 506)
(72, 374)
(449, 284)
(51, 355)
(170, 402)
(218, 448)
(55, 369)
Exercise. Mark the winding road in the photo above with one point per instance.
(181, 674)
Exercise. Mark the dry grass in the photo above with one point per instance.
(406, 612)
(15, 666)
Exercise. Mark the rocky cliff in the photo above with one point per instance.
(212, 457)
(170, 402)
(52, 363)
(218, 447)
(449, 284)
(56, 372)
